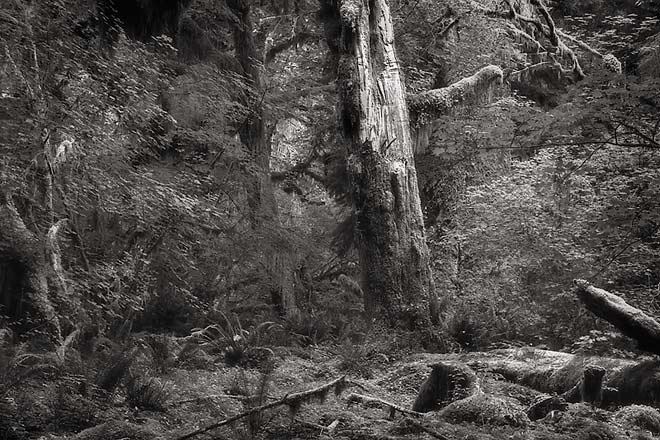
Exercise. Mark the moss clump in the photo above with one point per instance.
(484, 409)
(117, 430)
(639, 417)
(638, 383)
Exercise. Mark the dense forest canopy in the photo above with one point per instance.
(255, 174)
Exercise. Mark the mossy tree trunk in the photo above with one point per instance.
(23, 251)
(374, 123)
(254, 135)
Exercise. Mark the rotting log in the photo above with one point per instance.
(631, 321)
(626, 381)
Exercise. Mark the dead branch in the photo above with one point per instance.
(292, 400)
(360, 398)
(429, 431)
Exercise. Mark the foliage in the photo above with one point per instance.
(146, 393)
(231, 341)
(355, 358)
(72, 411)
(115, 368)
(160, 350)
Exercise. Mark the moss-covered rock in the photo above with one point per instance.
(485, 409)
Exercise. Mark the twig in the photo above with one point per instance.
(393, 406)
(429, 431)
(208, 397)
(292, 400)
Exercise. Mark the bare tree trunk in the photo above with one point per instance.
(261, 197)
(394, 256)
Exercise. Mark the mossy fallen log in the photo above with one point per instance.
(624, 381)
(631, 321)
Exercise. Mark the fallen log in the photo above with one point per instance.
(631, 321)
(626, 381)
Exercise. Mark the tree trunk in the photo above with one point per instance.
(394, 257)
(24, 251)
(631, 321)
(254, 135)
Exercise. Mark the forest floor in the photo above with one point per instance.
(198, 397)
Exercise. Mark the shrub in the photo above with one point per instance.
(115, 369)
(146, 393)
(465, 331)
(234, 343)
(71, 411)
(159, 349)
(11, 427)
(355, 358)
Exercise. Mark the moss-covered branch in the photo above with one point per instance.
(393, 407)
(294, 401)
(433, 103)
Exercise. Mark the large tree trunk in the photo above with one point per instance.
(394, 256)
(254, 135)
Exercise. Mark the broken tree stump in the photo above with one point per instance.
(631, 321)
(446, 383)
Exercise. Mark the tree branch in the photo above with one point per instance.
(433, 103)
(297, 38)
(360, 398)
(429, 431)
(292, 400)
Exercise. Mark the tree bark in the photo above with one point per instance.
(254, 135)
(22, 247)
(374, 121)
(631, 321)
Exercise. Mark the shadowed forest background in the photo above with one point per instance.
(207, 207)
